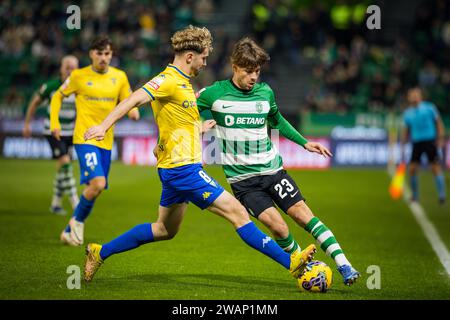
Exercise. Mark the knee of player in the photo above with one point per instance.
(163, 232)
(300, 212)
(98, 185)
(239, 209)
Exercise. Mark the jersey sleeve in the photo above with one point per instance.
(44, 91)
(272, 104)
(160, 87)
(70, 85)
(125, 89)
(205, 99)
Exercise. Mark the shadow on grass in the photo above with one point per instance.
(213, 281)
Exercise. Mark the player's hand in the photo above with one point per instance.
(318, 148)
(26, 132)
(57, 134)
(96, 132)
(207, 125)
(155, 151)
(134, 114)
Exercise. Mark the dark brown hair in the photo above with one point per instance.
(100, 43)
(248, 55)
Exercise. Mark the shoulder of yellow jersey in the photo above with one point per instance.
(118, 72)
(162, 79)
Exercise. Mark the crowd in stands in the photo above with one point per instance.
(351, 72)
(34, 36)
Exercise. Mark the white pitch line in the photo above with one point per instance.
(428, 228)
(432, 235)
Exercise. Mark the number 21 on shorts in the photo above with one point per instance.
(91, 159)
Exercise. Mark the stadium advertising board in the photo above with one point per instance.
(139, 150)
(359, 146)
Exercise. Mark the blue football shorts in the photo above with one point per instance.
(94, 162)
(188, 183)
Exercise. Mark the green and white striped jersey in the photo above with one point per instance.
(242, 128)
(67, 113)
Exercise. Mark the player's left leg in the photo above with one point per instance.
(440, 181)
(253, 195)
(94, 168)
(433, 157)
(165, 228)
(304, 217)
(68, 183)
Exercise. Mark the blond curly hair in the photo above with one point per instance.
(192, 38)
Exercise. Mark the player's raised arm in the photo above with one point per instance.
(137, 98)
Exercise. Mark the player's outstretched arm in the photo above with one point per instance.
(137, 98)
(31, 110)
(317, 147)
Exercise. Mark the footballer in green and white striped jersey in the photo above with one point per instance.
(243, 111)
(64, 182)
(242, 128)
(67, 114)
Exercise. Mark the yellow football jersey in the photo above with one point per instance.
(96, 95)
(175, 109)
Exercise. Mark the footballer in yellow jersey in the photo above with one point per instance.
(98, 88)
(180, 170)
(176, 114)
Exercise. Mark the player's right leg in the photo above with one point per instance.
(165, 228)
(229, 208)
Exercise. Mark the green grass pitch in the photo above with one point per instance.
(207, 260)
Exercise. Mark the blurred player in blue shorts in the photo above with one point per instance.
(425, 129)
(179, 162)
(97, 89)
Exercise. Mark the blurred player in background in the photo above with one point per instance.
(243, 109)
(179, 161)
(64, 182)
(425, 129)
(97, 89)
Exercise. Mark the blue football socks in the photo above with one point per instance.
(131, 239)
(83, 209)
(264, 244)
